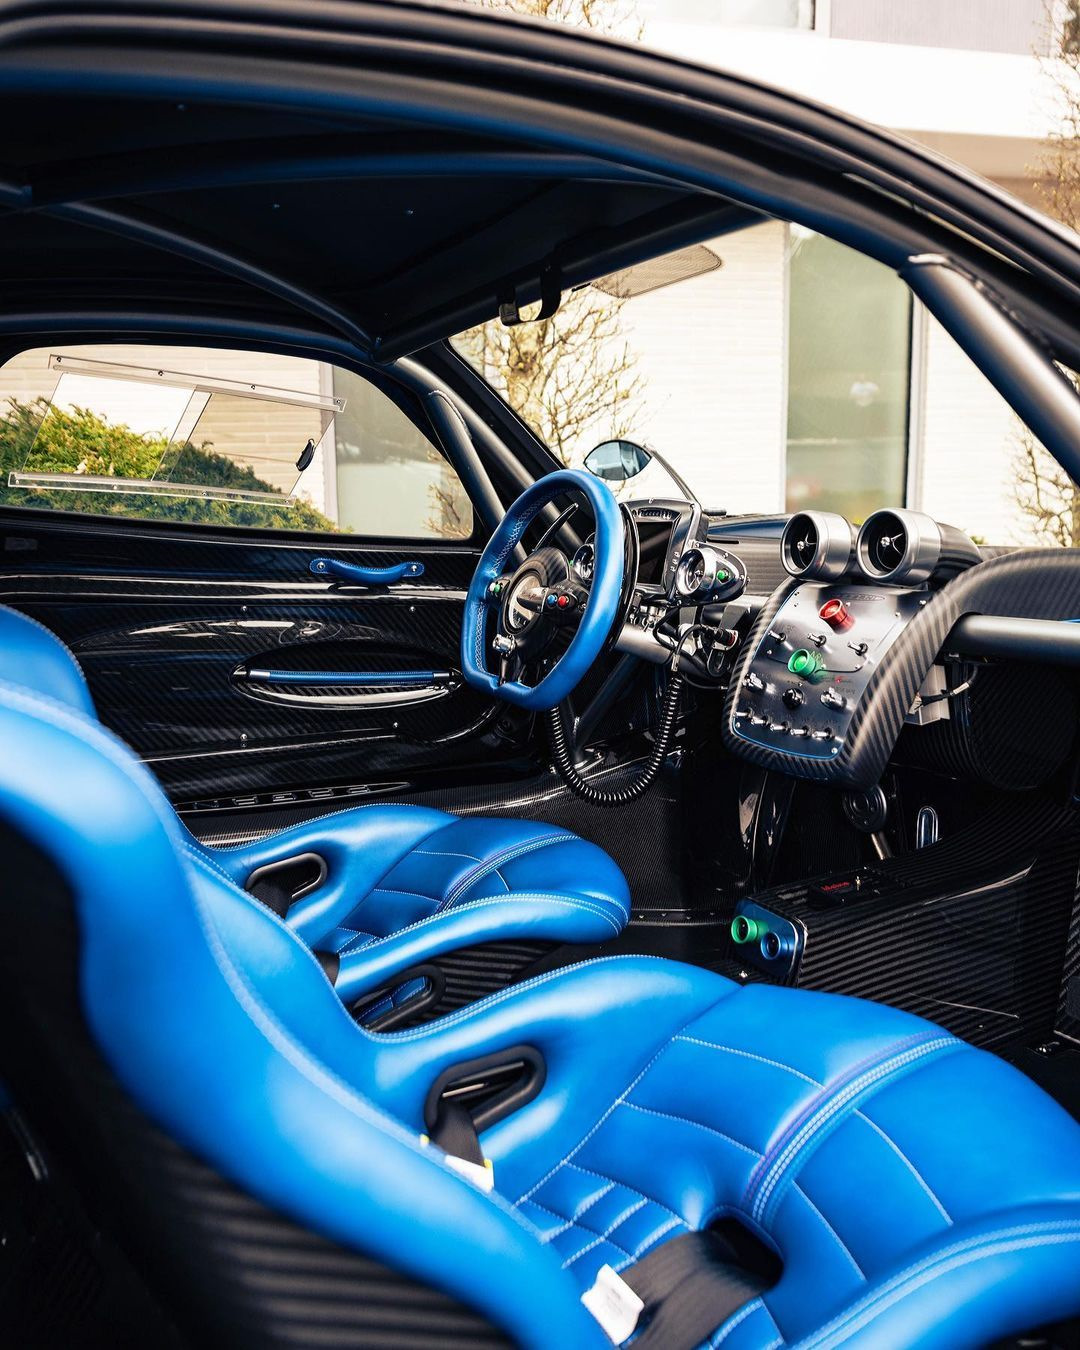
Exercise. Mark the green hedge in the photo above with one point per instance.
(81, 442)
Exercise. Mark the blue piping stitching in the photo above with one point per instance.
(500, 859)
(837, 1097)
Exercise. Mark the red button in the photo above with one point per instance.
(836, 615)
(563, 601)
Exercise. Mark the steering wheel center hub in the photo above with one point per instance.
(523, 603)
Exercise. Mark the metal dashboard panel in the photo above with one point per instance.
(810, 714)
(1027, 584)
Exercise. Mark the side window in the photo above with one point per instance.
(220, 437)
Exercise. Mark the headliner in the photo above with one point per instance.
(414, 229)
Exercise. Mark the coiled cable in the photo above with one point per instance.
(628, 792)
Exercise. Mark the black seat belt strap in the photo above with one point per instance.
(689, 1289)
(455, 1133)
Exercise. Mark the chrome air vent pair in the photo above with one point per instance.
(895, 546)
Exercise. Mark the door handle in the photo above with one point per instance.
(368, 576)
(337, 689)
(358, 678)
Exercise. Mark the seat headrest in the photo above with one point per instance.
(34, 657)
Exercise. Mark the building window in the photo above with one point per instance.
(736, 13)
(849, 365)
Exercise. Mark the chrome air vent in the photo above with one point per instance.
(902, 547)
(816, 545)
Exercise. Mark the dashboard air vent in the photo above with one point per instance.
(902, 547)
(816, 545)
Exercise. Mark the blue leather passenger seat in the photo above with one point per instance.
(402, 884)
(916, 1191)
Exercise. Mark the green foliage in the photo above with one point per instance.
(81, 442)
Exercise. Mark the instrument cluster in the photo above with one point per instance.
(680, 581)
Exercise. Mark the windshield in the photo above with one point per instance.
(789, 372)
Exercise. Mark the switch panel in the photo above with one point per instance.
(811, 668)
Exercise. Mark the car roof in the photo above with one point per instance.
(392, 171)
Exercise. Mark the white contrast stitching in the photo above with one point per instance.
(626, 1091)
(722, 1332)
(605, 1236)
(445, 853)
(443, 917)
(832, 1231)
(698, 1124)
(746, 1054)
(397, 890)
(657, 1233)
(787, 1160)
(330, 815)
(499, 859)
(930, 1267)
(484, 1005)
(626, 1187)
(111, 748)
(908, 1163)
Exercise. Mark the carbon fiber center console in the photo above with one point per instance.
(968, 932)
(810, 670)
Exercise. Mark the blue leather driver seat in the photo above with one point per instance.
(267, 1157)
(398, 884)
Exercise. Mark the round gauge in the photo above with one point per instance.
(690, 578)
(584, 562)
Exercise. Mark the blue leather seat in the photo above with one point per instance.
(402, 884)
(917, 1191)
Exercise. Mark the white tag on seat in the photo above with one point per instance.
(482, 1176)
(614, 1305)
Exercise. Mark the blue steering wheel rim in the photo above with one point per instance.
(600, 612)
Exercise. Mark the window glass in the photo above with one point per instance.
(221, 437)
(795, 374)
(390, 479)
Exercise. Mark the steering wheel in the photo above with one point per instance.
(541, 597)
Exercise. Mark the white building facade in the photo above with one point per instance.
(800, 374)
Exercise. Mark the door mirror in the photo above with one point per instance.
(617, 461)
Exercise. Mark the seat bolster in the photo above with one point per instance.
(525, 917)
(1001, 1275)
(34, 657)
(639, 1002)
(359, 845)
(572, 865)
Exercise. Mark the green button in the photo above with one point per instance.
(721, 575)
(747, 930)
(805, 664)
